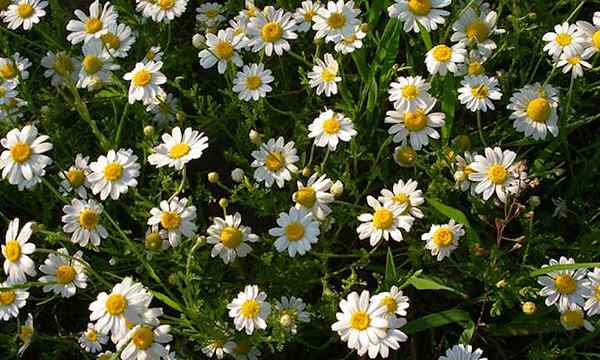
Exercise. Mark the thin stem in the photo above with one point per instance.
(300, 58)
(480, 129)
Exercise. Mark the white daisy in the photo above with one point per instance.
(210, 14)
(118, 39)
(252, 82)
(315, 196)
(330, 128)
(392, 339)
(14, 68)
(471, 28)
(462, 352)
(565, 39)
(250, 310)
(592, 33)
(270, 30)
(155, 239)
(215, 348)
(274, 162)
(175, 218)
(154, 54)
(394, 301)
(535, 110)
(145, 80)
(24, 13)
(324, 75)
(75, 179)
(91, 340)
(163, 108)
(222, 49)
(427, 13)
(82, 219)
(348, 44)
(7, 92)
(296, 231)
(96, 65)
(291, 311)
(60, 67)
(385, 222)
(145, 342)
(441, 58)
(242, 350)
(239, 26)
(167, 10)
(564, 287)
(336, 20)
(65, 273)
(442, 240)
(477, 92)
(573, 318)
(592, 303)
(93, 26)
(462, 172)
(415, 126)
(114, 173)
(179, 148)
(575, 63)
(406, 195)
(305, 14)
(230, 238)
(410, 93)
(473, 64)
(11, 301)
(25, 334)
(495, 173)
(15, 250)
(12, 112)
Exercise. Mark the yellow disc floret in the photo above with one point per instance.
(116, 304)
(383, 218)
(20, 152)
(231, 237)
(294, 231)
(12, 250)
(360, 320)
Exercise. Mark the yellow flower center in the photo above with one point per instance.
(274, 161)
(150, 55)
(111, 40)
(443, 237)
(390, 304)
(179, 150)
(419, 7)
(8, 71)
(410, 92)
(572, 318)
(597, 292)
(565, 284)
(113, 171)
(25, 333)
(76, 177)
(475, 68)
(116, 304)
(271, 32)
(65, 274)
(62, 65)
(294, 231)
(253, 82)
(91, 335)
(166, 4)
(88, 219)
(7, 297)
(497, 174)
(223, 50)
(480, 91)
(231, 237)
(538, 110)
(383, 218)
(360, 320)
(415, 121)
(153, 241)
(336, 20)
(24, 10)
(596, 39)
(574, 60)
(211, 13)
(401, 198)
(20, 152)
(331, 126)
(328, 75)
(309, 14)
(563, 39)
(306, 197)
(92, 64)
(13, 250)
(93, 25)
(250, 309)
(406, 156)
(170, 220)
(442, 53)
(477, 30)
(141, 78)
(143, 338)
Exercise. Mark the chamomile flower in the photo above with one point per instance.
(384, 222)
(592, 303)
(535, 110)
(75, 179)
(145, 80)
(7, 91)
(215, 348)
(305, 14)
(592, 33)
(462, 171)
(82, 219)
(410, 93)
(176, 219)
(164, 109)
(574, 63)
(145, 342)
(565, 39)
(406, 195)
(93, 26)
(118, 39)
(106, 355)
(394, 301)
(210, 14)
(348, 44)
(361, 321)
(324, 76)
(167, 10)
(274, 162)
(473, 65)
(239, 26)
(462, 352)
(222, 49)
(114, 173)
(477, 92)
(442, 240)
(442, 58)
(336, 20)
(242, 350)
(471, 28)
(11, 300)
(92, 340)
(16, 251)
(60, 67)
(25, 13)
(573, 318)
(250, 310)
(392, 339)
(330, 128)
(296, 232)
(252, 82)
(564, 287)
(14, 68)
(155, 239)
(415, 126)
(230, 238)
(179, 148)
(23, 160)
(65, 273)
(315, 196)
(495, 173)
(96, 65)
(270, 30)
(291, 311)
(12, 111)
(426, 13)
(25, 334)
(154, 54)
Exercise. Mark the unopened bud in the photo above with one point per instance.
(306, 171)
(213, 177)
(199, 41)
(535, 201)
(223, 203)
(153, 241)
(501, 284)
(285, 320)
(337, 189)
(172, 279)
(148, 131)
(529, 308)
(237, 175)
(255, 137)
(180, 116)
(364, 27)
(405, 156)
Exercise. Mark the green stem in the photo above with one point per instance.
(300, 58)
(83, 111)
(480, 129)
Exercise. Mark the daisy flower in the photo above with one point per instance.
(91, 340)
(472, 28)
(154, 239)
(315, 196)
(348, 44)
(230, 238)
(114, 173)
(154, 54)
(410, 93)
(179, 148)
(11, 301)
(384, 222)
(7, 92)
(164, 109)
(82, 219)
(296, 231)
(15, 250)
(23, 160)
(535, 110)
(14, 68)
(324, 76)
(65, 274)
(146, 79)
(362, 322)
(592, 304)
(118, 39)
(415, 126)
(427, 13)
(222, 49)
(442, 240)
(250, 310)
(441, 58)
(239, 26)
(335, 20)
(274, 162)
(60, 67)
(291, 311)
(11, 112)
(406, 195)
(95, 66)
(175, 218)
(25, 13)
(330, 128)
(75, 179)
(210, 13)
(394, 301)
(305, 14)
(242, 350)
(127, 302)
(495, 173)
(477, 92)
(564, 287)
(106, 355)
(93, 26)
(270, 30)
(463, 170)
(167, 10)
(215, 348)
(462, 352)
(574, 63)
(25, 334)
(252, 83)
(592, 33)
(565, 39)
(145, 342)
(392, 339)
(473, 64)
(573, 318)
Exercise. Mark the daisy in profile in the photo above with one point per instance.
(535, 110)
(164, 109)
(222, 49)
(7, 92)
(394, 301)
(154, 239)
(348, 44)
(64, 274)
(415, 126)
(96, 65)
(175, 217)
(575, 63)
(252, 82)
(210, 14)
(14, 68)
(305, 14)
(442, 240)
(441, 58)
(239, 26)
(167, 10)
(406, 195)
(592, 303)
(250, 310)
(426, 13)
(216, 348)
(82, 219)
(462, 352)
(362, 322)
(291, 311)
(274, 162)
(471, 28)
(16, 251)
(92, 26)
(270, 30)
(592, 33)
(179, 148)
(230, 238)
(114, 173)
(242, 350)
(324, 76)
(145, 342)
(477, 92)
(336, 20)
(462, 171)
(118, 39)
(330, 128)
(75, 179)
(25, 334)
(573, 318)
(11, 300)
(384, 222)
(145, 80)
(392, 339)
(297, 230)
(496, 173)
(564, 287)
(315, 196)
(565, 39)
(410, 93)
(23, 160)
(154, 54)
(25, 13)
(91, 340)
(60, 68)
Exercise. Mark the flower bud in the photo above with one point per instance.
(364, 27)
(213, 177)
(337, 189)
(180, 116)
(172, 279)
(306, 171)
(501, 284)
(535, 201)
(199, 41)
(237, 175)
(529, 308)
(255, 137)
(405, 156)
(285, 320)
(460, 176)
(153, 241)
(463, 142)
(223, 203)
(148, 131)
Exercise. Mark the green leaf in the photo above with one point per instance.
(390, 268)
(375, 11)
(467, 334)
(167, 300)
(436, 320)
(422, 283)
(360, 60)
(425, 36)
(547, 269)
